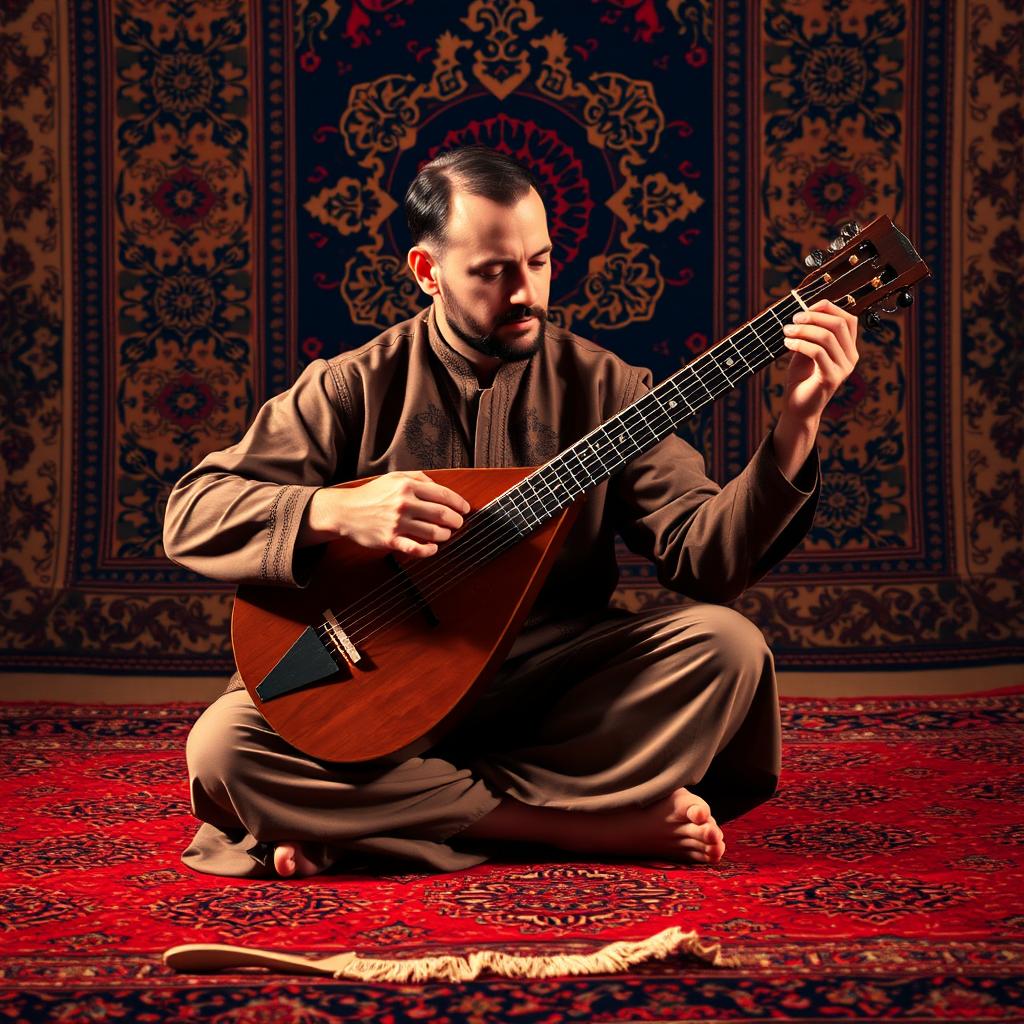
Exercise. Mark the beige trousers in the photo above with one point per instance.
(617, 715)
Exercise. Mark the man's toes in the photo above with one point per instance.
(284, 859)
(707, 834)
(687, 830)
(292, 860)
(696, 853)
(687, 806)
(712, 833)
(692, 844)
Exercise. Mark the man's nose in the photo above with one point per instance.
(524, 292)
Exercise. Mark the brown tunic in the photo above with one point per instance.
(593, 709)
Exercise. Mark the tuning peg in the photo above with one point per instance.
(903, 299)
(814, 258)
(837, 243)
(850, 229)
(873, 320)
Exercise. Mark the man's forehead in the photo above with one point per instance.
(476, 222)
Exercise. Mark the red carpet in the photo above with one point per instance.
(883, 881)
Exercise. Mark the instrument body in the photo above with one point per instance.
(416, 677)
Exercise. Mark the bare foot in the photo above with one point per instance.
(679, 827)
(290, 860)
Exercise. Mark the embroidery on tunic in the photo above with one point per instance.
(428, 436)
(534, 440)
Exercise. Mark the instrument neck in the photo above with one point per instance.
(659, 412)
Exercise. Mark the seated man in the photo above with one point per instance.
(604, 732)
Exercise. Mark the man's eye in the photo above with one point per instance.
(489, 277)
(539, 264)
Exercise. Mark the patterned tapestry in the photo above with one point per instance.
(198, 199)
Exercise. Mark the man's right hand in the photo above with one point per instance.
(404, 512)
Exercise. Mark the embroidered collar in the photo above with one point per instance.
(508, 375)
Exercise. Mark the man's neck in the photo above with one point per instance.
(485, 367)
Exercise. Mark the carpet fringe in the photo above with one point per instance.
(618, 956)
(610, 959)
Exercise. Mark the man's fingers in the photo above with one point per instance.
(439, 495)
(841, 322)
(425, 530)
(429, 490)
(825, 363)
(407, 546)
(825, 339)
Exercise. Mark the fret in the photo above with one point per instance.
(771, 309)
(622, 433)
(711, 368)
(760, 340)
(643, 419)
(664, 411)
(558, 489)
(704, 384)
(739, 351)
(561, 463)
(532, 498)
(515, 512)
(789, 308)
(781, 344)
(572, 453)
(700, 379)
(605, 441)
(597, 455)
(724, 363)
(560, 470)
(538, 480)
(586, 450)
(674, 383)
(603, 470)
(660, 415)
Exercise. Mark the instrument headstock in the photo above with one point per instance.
(863, 267)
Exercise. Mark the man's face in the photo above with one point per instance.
(494, 276)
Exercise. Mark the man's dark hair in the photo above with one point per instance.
(478, 170)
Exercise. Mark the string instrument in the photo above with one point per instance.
(381, 654)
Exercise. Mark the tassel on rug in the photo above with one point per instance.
(610, 959)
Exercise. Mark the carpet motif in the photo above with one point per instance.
(864, 897)
(183, 234)
(563, 896)
(868, 908)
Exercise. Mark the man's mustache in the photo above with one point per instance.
(523, 313)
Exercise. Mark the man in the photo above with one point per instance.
(604, 732)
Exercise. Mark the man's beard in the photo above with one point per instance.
(490, 342)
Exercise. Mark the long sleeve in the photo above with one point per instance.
(236, 516)
(710, 542)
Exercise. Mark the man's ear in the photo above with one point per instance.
(424, 268)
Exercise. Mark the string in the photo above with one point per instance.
(473, 540)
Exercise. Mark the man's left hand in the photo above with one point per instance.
(824, 346)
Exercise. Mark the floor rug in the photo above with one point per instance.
(883, 881)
